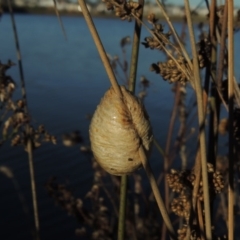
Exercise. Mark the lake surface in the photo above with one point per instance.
(65, 81)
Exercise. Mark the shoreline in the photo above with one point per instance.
(44, 11)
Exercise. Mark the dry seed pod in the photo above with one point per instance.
(117, 130)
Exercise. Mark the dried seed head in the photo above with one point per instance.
(182, 232)
(152, 18)
(181, 206)
(16, 140)
(179, 180)
(223, 126)
(171, 72)
(204, 51)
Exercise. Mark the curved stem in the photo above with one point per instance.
(157, 193)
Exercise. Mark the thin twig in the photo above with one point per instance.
(135, 52)
(215, 103)
(200, 219)
(231, 106)
(100, 48)
(201, 119)
(29, 142)
(222, 47)
(59, 19)
(167, 161)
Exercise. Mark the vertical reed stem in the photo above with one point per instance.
(33, 185)
(29, 142)
(201, 119)
(122, 208)
(131, 87)
(135, 52)
(215, 103)
(231, 105)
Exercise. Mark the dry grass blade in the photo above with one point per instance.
(201, 119)
(157, 194)
(59, 19)
(100, 47)
(231, 130)
(29, 142)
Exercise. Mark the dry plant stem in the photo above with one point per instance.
(131, 87)
(215, 104)
(135, 52)
(100, 47)
(201, 118)
(59, 19)
(222, 47)
(197, 165)
(122, 208)
(185, 54)
(29, 142)
(167, 149)
(236, 88)
(231, 143)
(200, 219)
(156, 193)
(197, 173)
(33, 186)
(23, 89)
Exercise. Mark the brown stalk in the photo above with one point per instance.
(59, 19)
(157, 194)
(215, 102)
(27, 129)
(100, 47)
(222, 47)
(231, 130)
(200, 219)
(201, 119)
(167, 149)
(197, 165)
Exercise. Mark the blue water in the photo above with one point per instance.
(65, 81)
